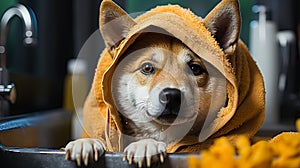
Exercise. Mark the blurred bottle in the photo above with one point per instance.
(264, 49)
(288, 87)
(286, 14)
(75, 91)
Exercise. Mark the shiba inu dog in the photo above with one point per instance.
(168, 80)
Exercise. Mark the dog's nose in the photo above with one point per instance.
(170, 98)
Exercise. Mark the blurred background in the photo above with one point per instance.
(39, 71)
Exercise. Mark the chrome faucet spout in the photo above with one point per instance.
(27, 16)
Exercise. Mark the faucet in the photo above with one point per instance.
(27, 16)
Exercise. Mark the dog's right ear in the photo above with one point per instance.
(114, 24)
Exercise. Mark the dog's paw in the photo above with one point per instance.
(147, 150)
(81, 150)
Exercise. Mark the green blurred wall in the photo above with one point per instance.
(199, 7)
(4, 4)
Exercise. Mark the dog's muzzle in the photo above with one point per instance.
(170, 98)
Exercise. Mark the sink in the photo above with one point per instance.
(46, 129)
(34, 140)
(26, 140)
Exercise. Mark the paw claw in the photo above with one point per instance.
(130, 159)
(67, 157)
(86, 159)
(78, 160)
(140, 163)
(162, 159)
(96, 155)
(148, 161)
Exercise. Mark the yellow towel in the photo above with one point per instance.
(244, 112)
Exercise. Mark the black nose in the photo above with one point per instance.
(170, 98)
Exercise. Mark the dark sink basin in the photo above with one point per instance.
(35, 140)
(47, 129)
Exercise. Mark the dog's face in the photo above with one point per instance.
(160, 81)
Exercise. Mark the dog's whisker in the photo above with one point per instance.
(141, 105)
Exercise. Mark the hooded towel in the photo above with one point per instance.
(244, 111)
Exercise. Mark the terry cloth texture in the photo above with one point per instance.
(242, 115)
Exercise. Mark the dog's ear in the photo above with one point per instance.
(114, 24)
(224, 23)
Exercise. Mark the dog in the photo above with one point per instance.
(163, 91)
(159, 84)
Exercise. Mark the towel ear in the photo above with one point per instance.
(114, 24)
(224, 24)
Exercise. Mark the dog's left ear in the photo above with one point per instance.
(114, 24)
(224, 23)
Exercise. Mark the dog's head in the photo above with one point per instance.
(159, 79)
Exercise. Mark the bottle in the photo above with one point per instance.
(75, 92)
(264, 49)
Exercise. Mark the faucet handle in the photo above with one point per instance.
(8, 92)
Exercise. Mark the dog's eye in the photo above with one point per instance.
(147, 68)
(197, 69)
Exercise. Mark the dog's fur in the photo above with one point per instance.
(156, 62)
